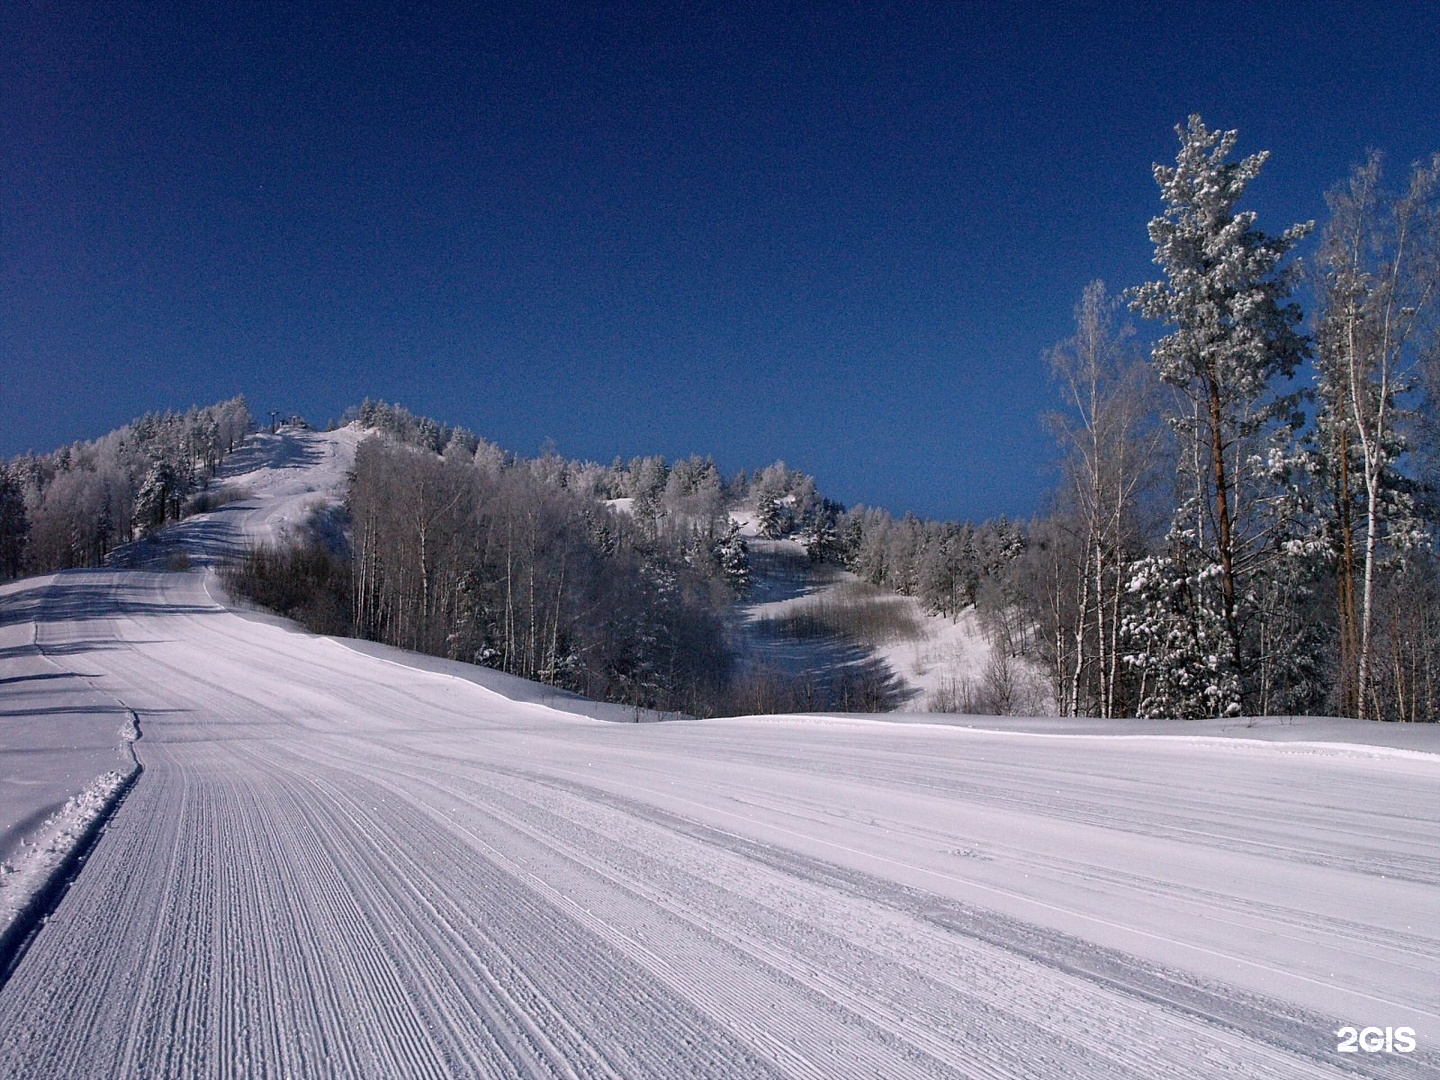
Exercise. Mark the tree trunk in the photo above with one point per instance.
(1222, 513)
(1349, 646)
(1367, 604)
(1082, 607)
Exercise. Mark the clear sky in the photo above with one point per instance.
(840, 234)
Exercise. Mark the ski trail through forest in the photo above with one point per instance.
(337, 865)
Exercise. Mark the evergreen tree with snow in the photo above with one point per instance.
(1175, 632)
(14, 524)
(156, 496)
(822, 534)
(1233, 344)
(733, 556)
(770, 516)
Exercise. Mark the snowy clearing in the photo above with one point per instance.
(339, 864)
(934, 659)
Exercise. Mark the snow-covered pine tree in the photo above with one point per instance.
(156, 495)
(1175, 637)
(822, 534)
(770, 516)
(733, 556)
(648, 477)
(1233, 343)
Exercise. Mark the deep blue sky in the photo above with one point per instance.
(837, 234)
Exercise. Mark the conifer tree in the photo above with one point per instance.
(770, 516)
(14, 525)
(154, 499)
(733, 555)
(1233, 344)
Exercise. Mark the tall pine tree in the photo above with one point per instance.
(1233, 343)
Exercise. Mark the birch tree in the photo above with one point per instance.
(1381, 271)
(1111, 445)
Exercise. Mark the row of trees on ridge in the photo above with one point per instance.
(1245, 520)
(70, 508)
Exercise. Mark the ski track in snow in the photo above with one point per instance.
(333, 865)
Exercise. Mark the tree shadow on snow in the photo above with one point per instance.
(282, 451)
(825, 674)
(199, 541)
(104, 595)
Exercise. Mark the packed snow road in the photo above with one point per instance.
(336, 865)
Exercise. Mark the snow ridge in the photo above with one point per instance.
(34, 881)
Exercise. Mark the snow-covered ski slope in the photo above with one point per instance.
(285, 476)
(335, 864)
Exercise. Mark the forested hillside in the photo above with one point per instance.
(618, 581)
(72, 507)
(1244, 523)
(1246, 517)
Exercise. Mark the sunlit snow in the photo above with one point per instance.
(339, 862)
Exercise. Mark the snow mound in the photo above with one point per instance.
(48, 856)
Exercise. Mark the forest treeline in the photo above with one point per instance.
(617, 581)
(1246, 518)
(518, 565)
(72, 507)
(1244, 523)
(1247, 514)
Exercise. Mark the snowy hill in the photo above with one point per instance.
(269, 487)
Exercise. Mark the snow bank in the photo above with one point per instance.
(31, 878)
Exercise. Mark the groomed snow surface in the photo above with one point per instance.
(338, 864)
